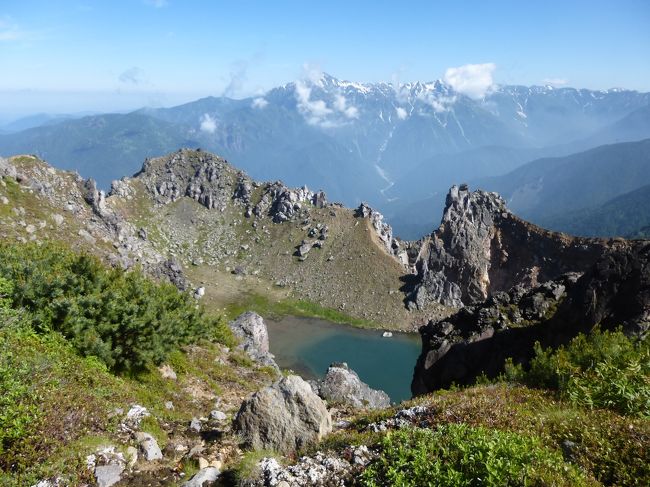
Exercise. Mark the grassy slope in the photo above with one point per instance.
(351, 279)
(610, 448)
(360, 285)
(26, 206)
(75, 401)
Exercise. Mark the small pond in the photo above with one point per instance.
(309, 345)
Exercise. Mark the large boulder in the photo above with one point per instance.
(285, 416)
(342, 385)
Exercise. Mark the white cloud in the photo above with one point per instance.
(556, 82)
(473, 80)
(441, 103)
(401, 113)
(208, 124)
(259, 102)
(341, 104)
(315, 111)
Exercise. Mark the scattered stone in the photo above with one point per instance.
(203, 477)
(199, 292)
(342, 385)
(4, 200)
(108, 465)
(317, 470)
(149, 446)
(107, 475)
(134, 417)
(167, 372)
(218, 415)
(304, 248)
(87, 236)
(169, 405)
(285, 416)
(195, 425)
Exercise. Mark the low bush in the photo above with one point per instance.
(123, 318)
(604, 369)
(460, 455)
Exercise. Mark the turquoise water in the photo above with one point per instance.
(309, 345)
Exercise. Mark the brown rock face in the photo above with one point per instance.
(481, 248)
(615, 291)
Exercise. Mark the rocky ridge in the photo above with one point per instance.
(614, 291)
(77, 213)
(481, 248)
(209, 215)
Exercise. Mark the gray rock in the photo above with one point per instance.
(481, 248)
(250, 328)
(195, 425)
(218, 415)
(148, 446)
(134, 417)
(383, 230)
(342, 385)
(203, 477)
(304, 248)
(107, 475)
(285, 416)
(319, 470)
(7, 169)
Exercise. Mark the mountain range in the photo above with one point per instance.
(399, 147)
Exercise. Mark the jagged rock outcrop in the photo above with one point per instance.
(285, 416)
(614, 291)
(199, 175)
(285, 202)
(250, 328)
(79, 208)
(481, 248)
(213, 182)
(342, 385)
(383, 231)
(94, 197)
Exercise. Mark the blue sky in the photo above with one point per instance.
(120, 54)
